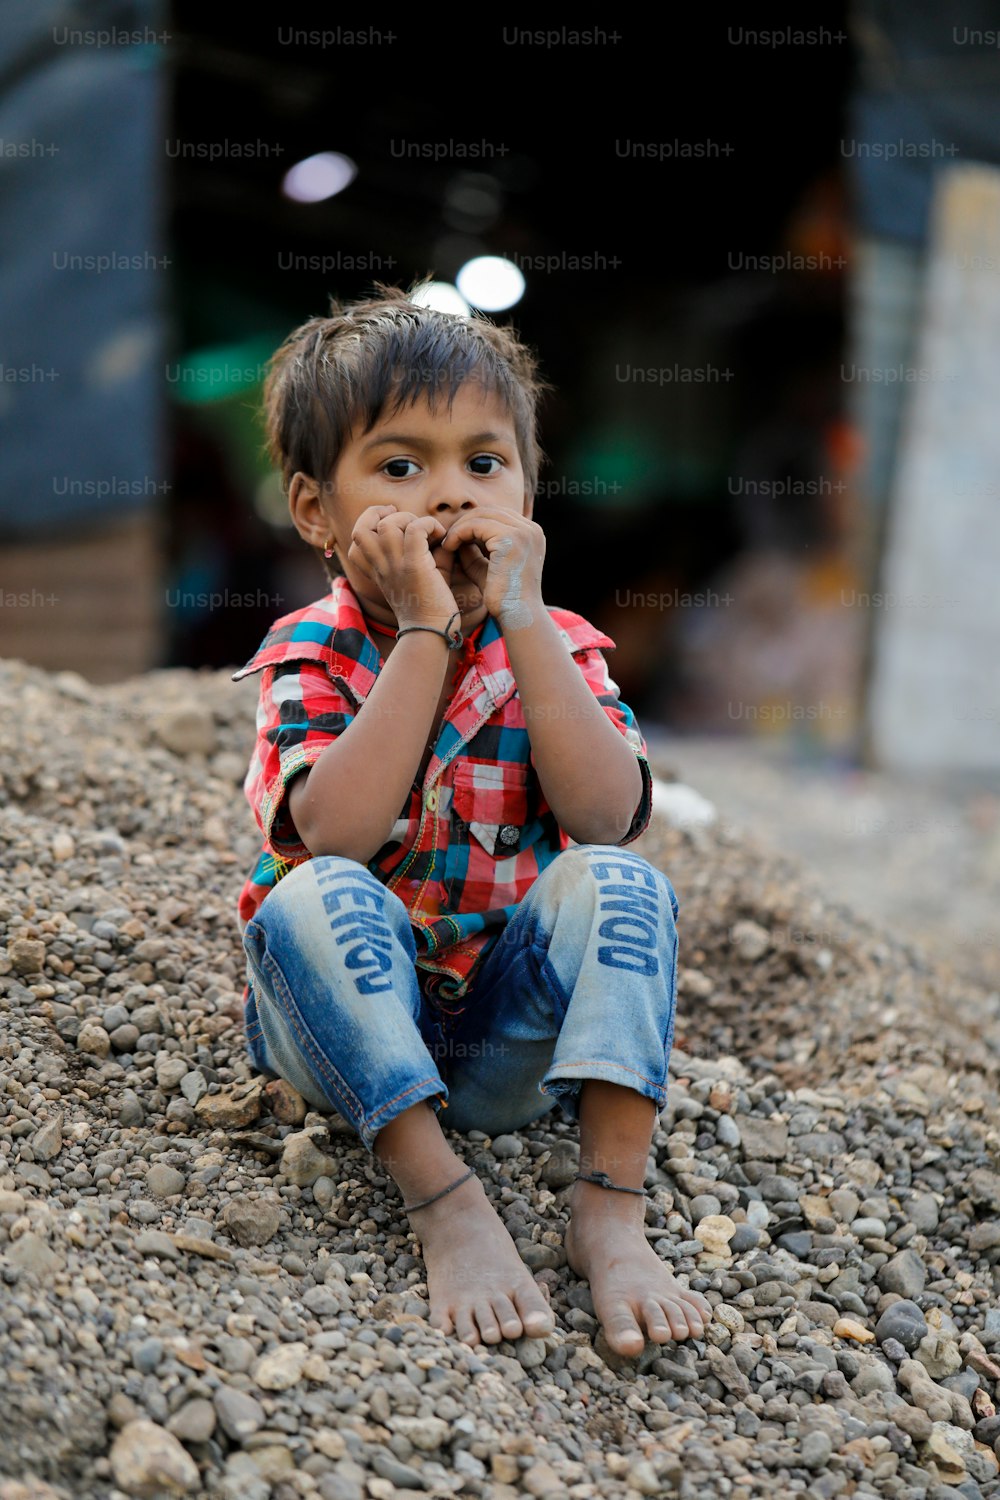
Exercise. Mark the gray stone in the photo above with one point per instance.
(239, 1414)
(763, 1140)
(338, 1487)
(923, 1212)
(868, 1229)
(324, 1190)
(403, 1476)
(984, 1236)
(938, 1354)
(125, 1038)
(130, 1110)
(560, 1170)
(170, 1069)
(147, 1018)
(964, 1382)
(905, 1273)
(530, 1352)
(904, 1322)
(47, 1140)
(154, 1242)
(236, 1355)
(506, 1147)
(251, 1221)
(580, 1321)
(194, 1422)
(844, 1204)
(194, 1086)
(991, 1327)
(163, 1181)
(31, 1253)
(148, 1355)
(873, 1376)
(302, 1161)
(912, 1420)
(821, 1144)
(325, 1301)
(777, 1189)
(541, 1257)
(816, 1450)
(797, 1243)
(983, 1187)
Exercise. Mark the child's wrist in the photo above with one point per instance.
(449, 631)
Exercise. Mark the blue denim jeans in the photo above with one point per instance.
(580, 984)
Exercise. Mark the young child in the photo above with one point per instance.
(444, 915)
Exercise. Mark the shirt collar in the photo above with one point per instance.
(334, 631)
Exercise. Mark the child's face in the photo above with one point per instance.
(442, 464)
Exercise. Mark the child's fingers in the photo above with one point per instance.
(416, 538)
(382, 540)
(428, 525)
(478, 526)
(369, 519)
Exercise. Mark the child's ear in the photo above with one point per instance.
(305, 509)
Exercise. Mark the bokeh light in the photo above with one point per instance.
(491, 283)
(319, 177)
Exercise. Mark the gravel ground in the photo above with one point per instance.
(921, 854)
(206, 1289)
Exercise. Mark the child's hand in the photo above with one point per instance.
(502, 553)
(393, 547)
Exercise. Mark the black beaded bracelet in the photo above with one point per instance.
(454, 642)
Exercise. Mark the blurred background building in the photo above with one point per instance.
(717, 228)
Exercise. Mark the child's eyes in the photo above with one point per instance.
(392, 466)
(488, 458)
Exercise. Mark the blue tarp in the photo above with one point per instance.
(927, 96)
(83, 263)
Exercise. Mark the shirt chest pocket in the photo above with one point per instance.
(499, 803)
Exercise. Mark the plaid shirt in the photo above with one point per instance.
(473, 838)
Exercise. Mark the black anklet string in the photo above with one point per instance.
(603, 1180)
(410, 1207)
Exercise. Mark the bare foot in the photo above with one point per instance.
(479, 1287)
(635, 1296)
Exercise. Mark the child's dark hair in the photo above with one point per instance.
(336, 373)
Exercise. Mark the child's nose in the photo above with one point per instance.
(450, 503)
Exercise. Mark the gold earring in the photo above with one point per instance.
(327, 548)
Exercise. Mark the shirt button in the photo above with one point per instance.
(509, 834)
(432, 798)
